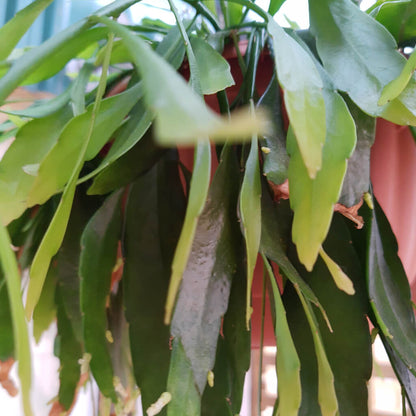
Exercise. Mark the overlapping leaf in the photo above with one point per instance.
(202, 302)
(303, 95)
(340, 27)
(99, 245)
(313, 199)
(181, 115)
(389, 291)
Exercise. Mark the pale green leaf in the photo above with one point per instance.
(250, 212)
(313, 199)
(302, 88)
(15, 28)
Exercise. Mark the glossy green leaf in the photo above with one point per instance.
(181, 384)
(287, 360)
(79, 87)
(27, 64)
(15, 28)
(313, 200)
(214, 70)
(57, 167)
(128, 167)
(274, 6)
(33, 142)
(389, 291)
(202, 302)
(69, 351)
(350, 330)
(236, 337)
(233, 12)
(198, 192)
(20, 330)
(276, 159)
(399, 17)
(357, 179)
(340, 27)
(394, 88)
(6, 327)
(406, 378)
(152, 214)
(45, 311)
(250, 213)
(56, 230)
(99, 245)
(181, 115)
(302, 94)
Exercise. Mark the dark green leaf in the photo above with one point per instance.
(302, 94)
(357, 178)
(146, 278)
(406, 377)
(202, 302)
(276, 159)
(15, 28)
(99, 245)
(140, 158)
(181, 384)
(69, 352)
(340, 27)
(33, 142)
(274, 6)
(389, 291)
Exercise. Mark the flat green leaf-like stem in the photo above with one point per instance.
(99, 244)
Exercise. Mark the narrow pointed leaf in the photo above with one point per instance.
(287, 360)
(214, 70)
(69, 351)
(15, 28)
(197, 195)
(389, 291)
(152, 215)
(181, 384)
(181, 115)
(339, 27)
(57, 167)
(202, 303)
(99, 245)
(342, 281)
(302, 94)
(7, 348)
(33, 142)
(394, 88)
(312, 200)
(20, 330)
(274, 6)
(250, 212)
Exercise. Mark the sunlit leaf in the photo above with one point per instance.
(274, 6)
(99, 245)
(15, 28)
(302, 94)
